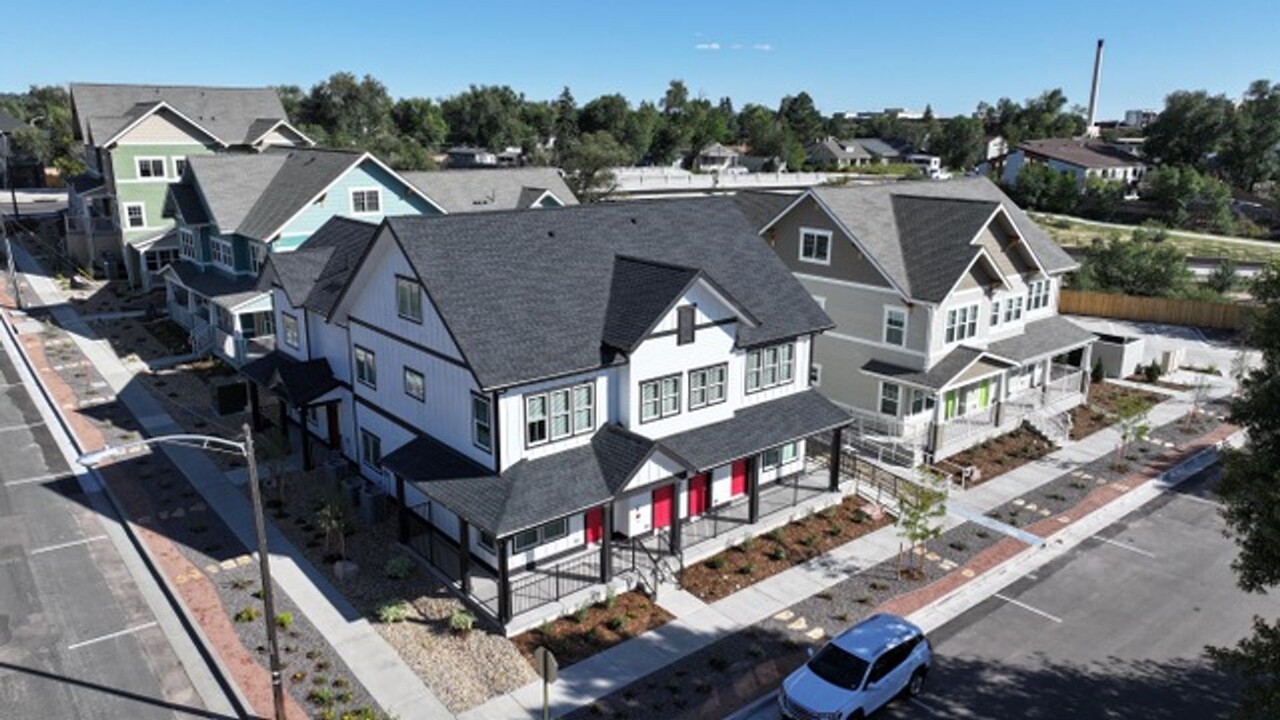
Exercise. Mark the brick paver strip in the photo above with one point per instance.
(198, 594)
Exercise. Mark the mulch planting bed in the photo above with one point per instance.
(1098, 412)
(769, 554)
(594, 628)
(1001, 454)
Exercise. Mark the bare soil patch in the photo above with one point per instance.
(593, 628)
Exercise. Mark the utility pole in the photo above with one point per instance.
(264, 564)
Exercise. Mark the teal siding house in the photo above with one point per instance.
(231, 211)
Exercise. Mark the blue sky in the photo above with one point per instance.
(847, 55)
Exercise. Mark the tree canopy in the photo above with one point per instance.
(1144, 265)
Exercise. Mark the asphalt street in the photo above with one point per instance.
(77, 637)
(1114, 629)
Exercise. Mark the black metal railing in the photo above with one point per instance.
(549, 584)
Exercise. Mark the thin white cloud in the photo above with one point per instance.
(759, 47)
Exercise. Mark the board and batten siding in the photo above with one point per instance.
(397, 199)
(511, 415)
(280, 304)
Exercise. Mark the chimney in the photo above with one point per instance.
(1092, 129)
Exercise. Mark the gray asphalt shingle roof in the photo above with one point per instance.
(185, 200)
(760, 206)
(877, 148)
(465, 191)
(882, 218)
(936, 377)
(640, 293)
(1081, 153)
(220, 288)
(8, 123)
(754, 428)
(525, 294)
(230, 114)
(255, 194)
(314, 274)
(297, 381)
(1042, 337)
(531, 492)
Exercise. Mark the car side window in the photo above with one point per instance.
(891, 659)
(881, 668)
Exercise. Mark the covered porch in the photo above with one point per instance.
(305, 390)
(226, 315)
(520, 546)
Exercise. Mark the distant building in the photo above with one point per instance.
(1139, 118)
(840, 154)
(1084, 158)
(716, 158)
(994, 146)
(8, 124)
(470, 157)
(881, 151)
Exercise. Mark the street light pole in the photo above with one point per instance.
(210, 442)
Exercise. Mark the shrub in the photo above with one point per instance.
(834, 531)
(616, 624)
(778, 554)
(580, 615)
(747, 544)
(393, 611)
(462, 621)
(877, 585)
(775, 535)
(860, 516)
(716, 563)
(1152, 372)
(248, 615)
(809, 540)
(864, 600)
(320, 696)
(747, 569)
(284, 620)
(398, 567)
(610, 599)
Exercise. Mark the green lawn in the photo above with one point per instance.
(1074, 234)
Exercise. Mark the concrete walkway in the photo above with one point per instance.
(375, 664)
(698, 624)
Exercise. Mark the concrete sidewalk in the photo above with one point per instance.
(699, 624)
(375, 664)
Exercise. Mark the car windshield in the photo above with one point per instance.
(838, 667)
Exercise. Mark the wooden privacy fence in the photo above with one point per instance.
(1196, 313)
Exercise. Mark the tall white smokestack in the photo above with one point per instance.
(1093, 91)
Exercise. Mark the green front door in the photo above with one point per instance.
(984, 394)
(949, 410)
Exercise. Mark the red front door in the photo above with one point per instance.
(663, 502)
(697, 495)
(738, 480)
(595, 525)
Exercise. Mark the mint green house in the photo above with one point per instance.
(138, 139)
(231, 210)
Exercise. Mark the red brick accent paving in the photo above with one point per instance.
(1006, 548)
(199, 596)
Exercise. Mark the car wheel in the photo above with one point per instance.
(915, 685)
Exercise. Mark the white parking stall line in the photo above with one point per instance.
(1125, 546)
(26, 426)
(109, 636)
(1028, 608)
(37, 479)
(927, 707)
(73, 543)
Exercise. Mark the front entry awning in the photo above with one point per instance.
(1043, 338)
(964, 364)
(297, 382)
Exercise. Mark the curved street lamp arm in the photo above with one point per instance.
(203, 442)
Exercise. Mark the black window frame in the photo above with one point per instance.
(678, 377)
(284, 330)
(572, 409)
(706, 388)
(422, 381)
(364, 455)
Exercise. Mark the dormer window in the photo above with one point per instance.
(962, 323)
(685, 317)
(1039, 296)
(815, 246)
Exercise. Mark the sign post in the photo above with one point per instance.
(545, 663)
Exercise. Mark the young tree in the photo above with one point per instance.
(1223, 277)
(801, 117)
(922, 505)
(1250, 493)
(566, 123)
(1132, 411)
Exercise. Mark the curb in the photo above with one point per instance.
(220, 672)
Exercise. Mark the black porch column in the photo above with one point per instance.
(284, 423)
(837, 442)
(753, 492)
(255, 408)
(675, 518)
(464, 555)
(402, 512)
(504, 580)
(307, 460)
(606, 546)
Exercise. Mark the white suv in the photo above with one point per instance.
(859, 671)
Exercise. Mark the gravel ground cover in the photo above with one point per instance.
(463, 670)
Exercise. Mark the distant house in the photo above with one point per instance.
(232, 210)
(840, 154)
(762, 163)
(1083, 158)
(470, 157)
(716, 158)
(461, 191)
(993, 146)
(137, 140)
(881, 151)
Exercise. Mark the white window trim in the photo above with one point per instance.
(476, 422)
(946, 324)
(214, 244)
(164, 168)
(880, 398)
(187, 240)
(285, 317)
(706, 388)
(884, 325)
(364, 454)
(124, 215)
(662, 413)
(779, 379)
(572, 409)
(414, 300)
(820, 233)
(351, 200)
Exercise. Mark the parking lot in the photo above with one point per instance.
(1115, 628)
